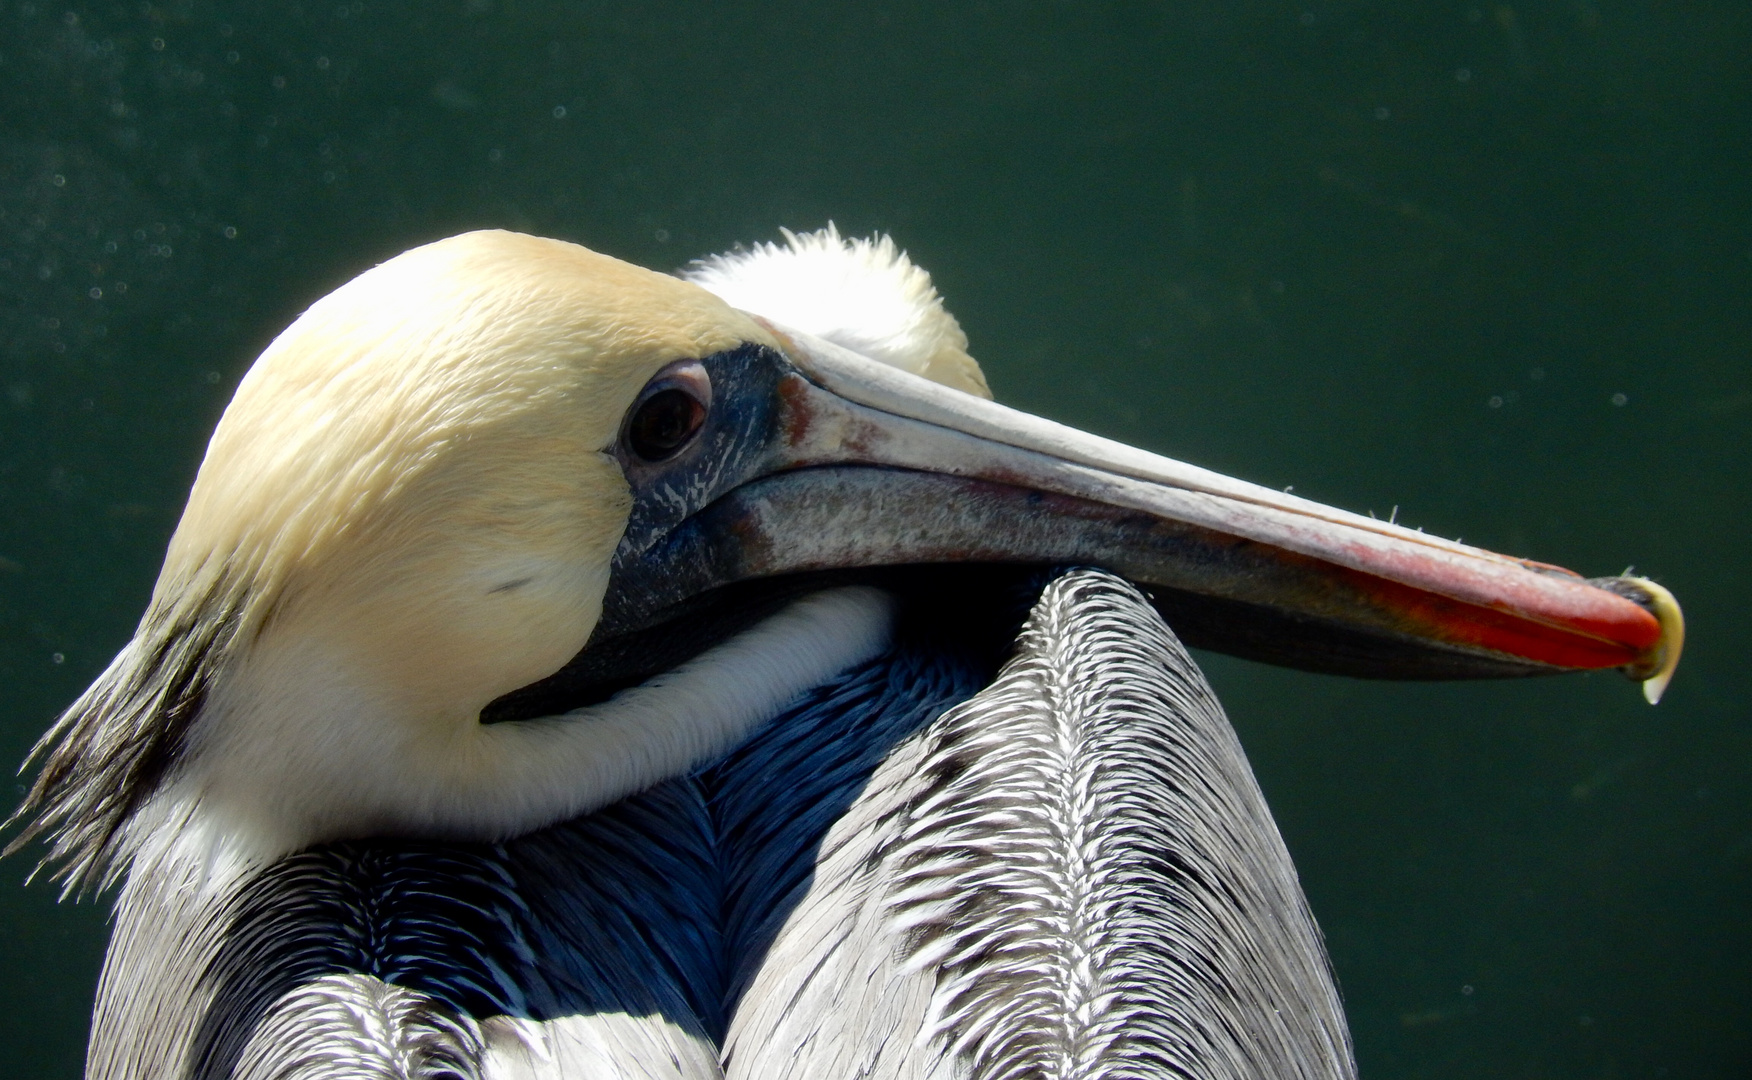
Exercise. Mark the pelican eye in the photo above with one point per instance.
(669, 413)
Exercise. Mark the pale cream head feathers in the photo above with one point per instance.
(412, 486)
(420, 456)
(409, 509)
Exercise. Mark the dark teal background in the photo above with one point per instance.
(1489, 264)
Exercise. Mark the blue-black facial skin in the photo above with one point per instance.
(651, 572)
(730, 447)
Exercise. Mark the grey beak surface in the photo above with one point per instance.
(862, 465)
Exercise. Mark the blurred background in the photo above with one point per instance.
(1488, 264)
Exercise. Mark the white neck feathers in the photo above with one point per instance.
(287, 765)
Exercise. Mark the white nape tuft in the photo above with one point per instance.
(864, 295)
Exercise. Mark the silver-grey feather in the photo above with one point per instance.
(1067, 873)
(1072, 874)
(355, 1027)
(1094, 877)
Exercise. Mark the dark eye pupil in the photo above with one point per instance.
(663, 424)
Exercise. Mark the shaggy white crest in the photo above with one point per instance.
(865, 295)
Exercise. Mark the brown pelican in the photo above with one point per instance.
(563, 669)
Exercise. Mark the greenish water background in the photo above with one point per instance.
(1396, 254)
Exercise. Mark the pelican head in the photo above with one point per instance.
(455, 561)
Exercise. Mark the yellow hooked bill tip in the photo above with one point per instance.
(1665, 658)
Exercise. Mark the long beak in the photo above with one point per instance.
(865, 465)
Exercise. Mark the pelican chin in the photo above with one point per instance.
(504, 532)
